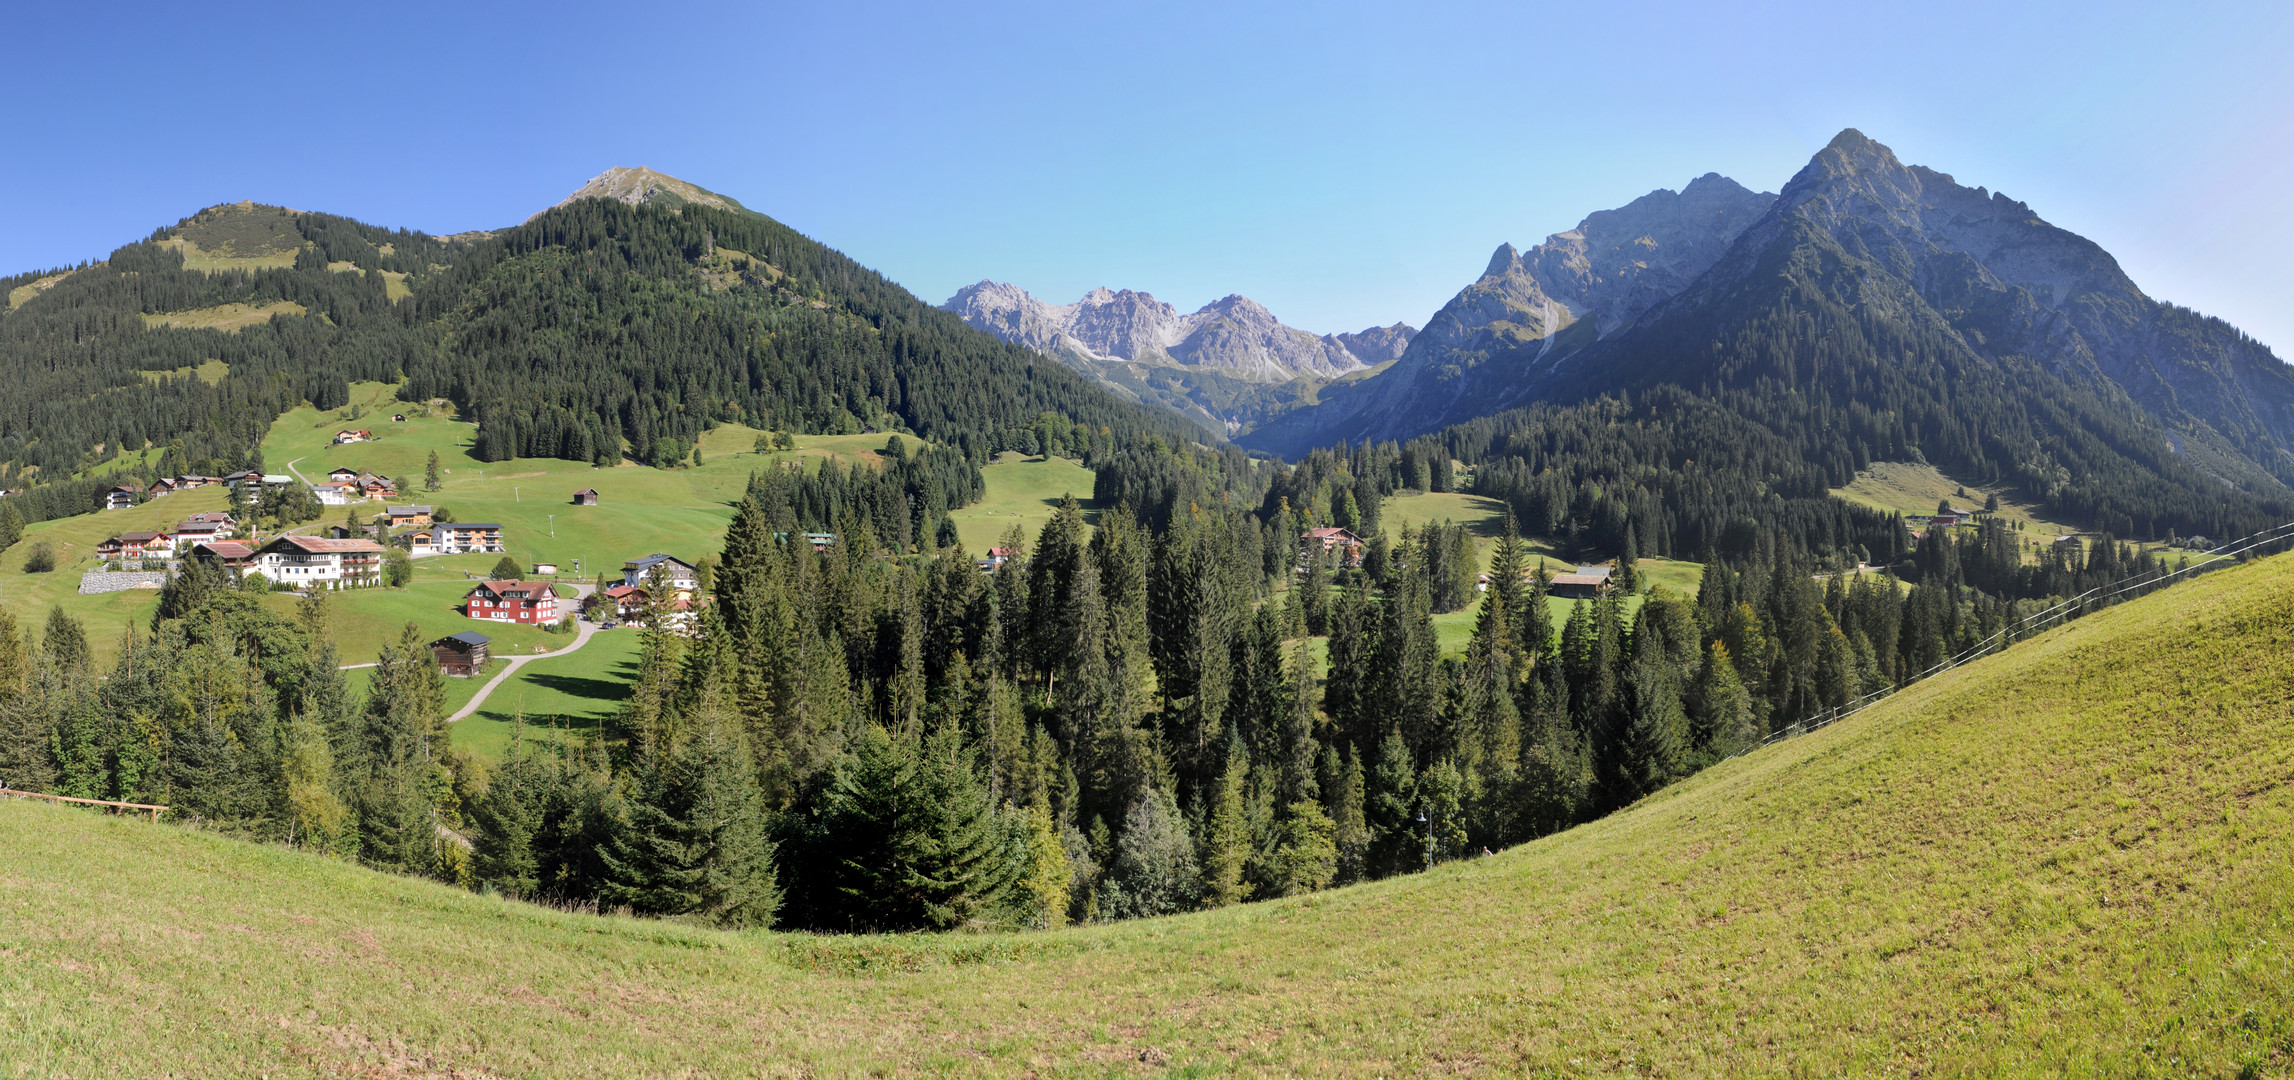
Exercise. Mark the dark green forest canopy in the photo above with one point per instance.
(596, 330)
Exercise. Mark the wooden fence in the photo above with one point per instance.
(145, 808)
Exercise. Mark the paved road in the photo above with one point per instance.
(581, 638)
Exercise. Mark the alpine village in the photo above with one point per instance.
(1835, 624)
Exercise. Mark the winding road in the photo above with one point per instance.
(581, 638)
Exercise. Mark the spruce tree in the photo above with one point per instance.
(1654, 746)
(695, 841)
(1227, 834)
(1390, 811)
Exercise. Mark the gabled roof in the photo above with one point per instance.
(586, 491)
(407, 511)
(650, 561)
(141, 537)
(228, 549)
(465, 525)
(470, 638)
(318, 545)
(528, 590)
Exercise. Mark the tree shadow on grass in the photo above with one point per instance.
(583, 686)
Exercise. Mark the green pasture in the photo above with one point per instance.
(2069, 859)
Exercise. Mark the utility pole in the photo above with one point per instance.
(553, 525)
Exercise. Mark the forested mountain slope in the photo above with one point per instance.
(1876, 312)
(2067, 858)
(613, 326)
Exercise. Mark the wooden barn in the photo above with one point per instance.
(461, 654)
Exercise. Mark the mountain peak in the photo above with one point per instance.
(640, 186)
(1503, 260)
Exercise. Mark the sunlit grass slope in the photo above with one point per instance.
(2071, 859)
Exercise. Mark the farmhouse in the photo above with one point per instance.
(135, 545)
(463, 538)
(312, 561)
(194, 480)
(1315, 543)
(332, 494)
(403, 516)
(162, 486)
(342, 437)
(119, 498)
(418, 542)
(681, 573)
(630, 603)
(529, 602)
(376, 487)
(1586, 584)
(230, 555)
(585, 497)
(461, 654)
(342, 475)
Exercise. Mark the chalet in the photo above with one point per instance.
(199, 532)
(467, 537)
(628, 600)
(136, 545)
(119, 498)
(1317, 543)
(585, 497)
(630, 603)
(311, 561)
(229, 555)
(530, 602)
(377, 488)
(162, 486)
(997, 557)
(545, 568)
(362, 435)
(332, 494)
(681, 573)
(418, 542)
(233, 479)
(342, 475)
(403, 516)
(461, 654)
(220, 518)
(194, 480)
(1586, 584)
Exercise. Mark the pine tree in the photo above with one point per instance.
(1350, 828)
(1722, 709)
(1653, 752)
(1227, 839)
(1390, 812)
(1154, 870)
(1305, 857)
(695, 841)
(1049, 881)
(910, 839)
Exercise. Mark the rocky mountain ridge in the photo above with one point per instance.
(640, 186)
(1233, 335)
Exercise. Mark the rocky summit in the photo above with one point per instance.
(1234, 335)
(641, 186)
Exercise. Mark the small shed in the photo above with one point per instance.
(585, 497)
(461, 654)
(545, 568)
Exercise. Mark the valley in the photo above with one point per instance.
(2056, 859)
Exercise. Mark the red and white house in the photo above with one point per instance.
(530, 602)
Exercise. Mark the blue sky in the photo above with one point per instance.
(1345, 164)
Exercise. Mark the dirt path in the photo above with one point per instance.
(581, 638)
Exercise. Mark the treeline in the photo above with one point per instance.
(1122, 720)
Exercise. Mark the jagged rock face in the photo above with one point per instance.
(1574, 288)
(1234, 335)
(2013, 284)
(640, 186)
(1637, 295)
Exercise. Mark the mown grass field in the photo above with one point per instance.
(559, 698)
(106, 615)
(1905, 488)
(2068, 860)
(1022, 491)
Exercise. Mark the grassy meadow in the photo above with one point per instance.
(2069, 859)
(558, 698)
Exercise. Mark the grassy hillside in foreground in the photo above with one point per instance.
(2068, 859)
